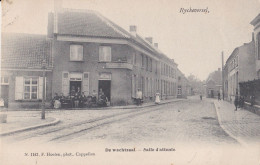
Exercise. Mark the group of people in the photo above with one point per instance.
(139, 97)
(77, 99)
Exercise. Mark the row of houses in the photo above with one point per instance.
(87, 52)
(241, 67)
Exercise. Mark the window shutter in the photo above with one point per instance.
(101, 54)
(80, 52)
(40, 87)
(65, 83)
(85, 85)
(133, 86)
(19, 88)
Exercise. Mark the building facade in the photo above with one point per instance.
(85, 51)
(256, 23)
(239, 67)
(213, 84)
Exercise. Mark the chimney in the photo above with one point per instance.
(57, 5)
(156, 45)
(133, 30)
(149, 39)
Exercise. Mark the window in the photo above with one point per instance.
(179, 90)
(151, 65)
(142, 60)
(147, 63)
(258, 45)
(156, 65)
(4, 80)
(76, 53)
(105, 53)
(30, 88)
(134, 59)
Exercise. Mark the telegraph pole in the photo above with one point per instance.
(223, 74)
(43, 89)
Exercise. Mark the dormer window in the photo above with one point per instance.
(76, 53)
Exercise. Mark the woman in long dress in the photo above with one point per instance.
(157, 97)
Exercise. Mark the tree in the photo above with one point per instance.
(8, 18)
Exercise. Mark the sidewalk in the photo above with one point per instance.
(18, 122)
(242, 125)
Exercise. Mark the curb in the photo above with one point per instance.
(239, 140)
(103, 108)
(56, 121)
(138, 107)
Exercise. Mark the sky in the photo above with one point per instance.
(194, 40)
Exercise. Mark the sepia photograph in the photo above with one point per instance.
(118, 82)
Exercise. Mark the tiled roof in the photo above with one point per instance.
(92, 24)
(87, 23)
(25, 51)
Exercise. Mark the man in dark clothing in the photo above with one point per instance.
(236, 102)
(219, 96)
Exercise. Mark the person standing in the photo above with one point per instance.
(219, 96)
(139, 96)
(76, 100)
(157, 97)
(236, 102)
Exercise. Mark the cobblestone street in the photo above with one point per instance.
(191, 127)
(188, 121)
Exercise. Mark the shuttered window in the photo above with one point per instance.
(105, 53)
(28, 88)
(76, 53)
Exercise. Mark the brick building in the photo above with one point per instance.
(85, 51)
(256, 23)
(239, 67)
(23, 59)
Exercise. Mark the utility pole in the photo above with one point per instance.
(43, 89)
(223, 74)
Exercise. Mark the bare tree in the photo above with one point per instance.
(7, 17)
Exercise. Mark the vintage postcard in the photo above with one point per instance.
(118, 82)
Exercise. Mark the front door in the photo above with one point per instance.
(75, 86)
(105, 86)
(5, 94)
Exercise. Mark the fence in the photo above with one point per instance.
(251, 89)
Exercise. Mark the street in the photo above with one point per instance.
(185, 121)
(184, 132)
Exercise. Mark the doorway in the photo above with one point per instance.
(105, 85)
(75, 86)
(5, 94)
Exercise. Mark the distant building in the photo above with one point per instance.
(183, 86)
(213, 84)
